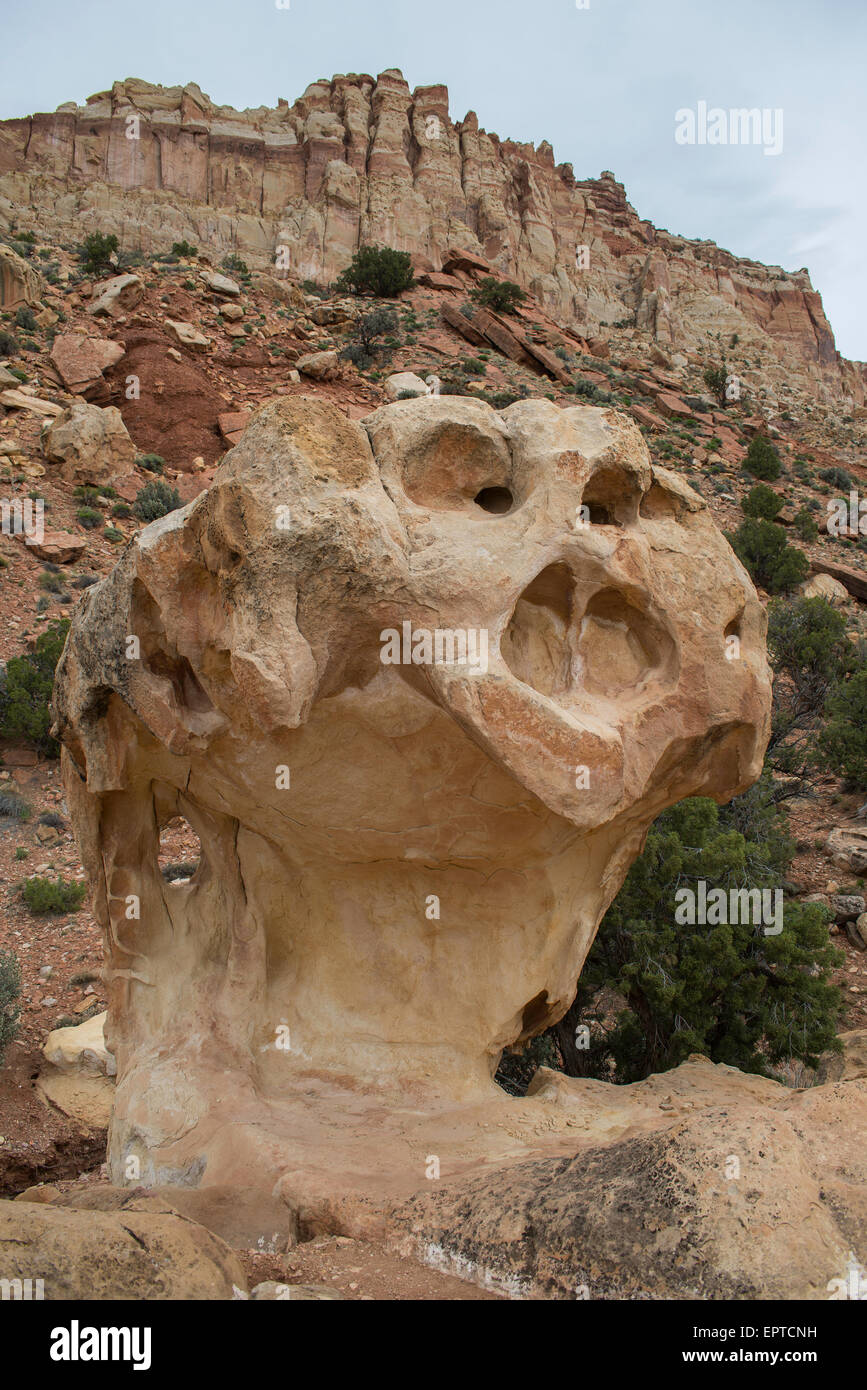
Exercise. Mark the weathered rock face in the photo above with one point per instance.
(142, 1250)
(90, 443)
(403, 865)
(20, 283)
(700, 1183)
(362, 160)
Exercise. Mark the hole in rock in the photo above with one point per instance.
(734, 627)
(535, 645)
(535, 1014)
(180, 850)
(611, 498)
(619, 645)
(458, 466)
(658, 504)
(496, 500)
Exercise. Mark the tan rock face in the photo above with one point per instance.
(90, 444)
(359, 160)
(405, 854)
(20, 282)
(81, 360)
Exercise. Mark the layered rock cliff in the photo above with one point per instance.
(361, 160)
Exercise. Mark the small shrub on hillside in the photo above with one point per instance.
(844, 738)
(367, 334)
(762, 459)
(51, 581)
(502, 296)
(715, 379)
(805, 525)
(151, 463)
(88, 517)
(183, 248)
(762, 548)
(762, 501)
(10, 992)
(8, 344)
(25, 318)
(112, 534)
(13, 806)
(838, 478)
(96, 251)
(156, 499)
(233, 265)
(25, 695)
(377, 270)
(122, 510)
(47, 896)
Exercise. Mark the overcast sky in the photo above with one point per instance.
(603, 84)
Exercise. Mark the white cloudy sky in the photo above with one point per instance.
(602, 84)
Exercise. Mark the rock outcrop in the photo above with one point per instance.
(361, 160)
(419, 686)
(142, 1250)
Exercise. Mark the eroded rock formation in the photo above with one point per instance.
(360, 160)
(403, 865)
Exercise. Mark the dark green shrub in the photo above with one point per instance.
(10, 992)
(88, 517)
(377, 270)
(25, 695)
(763, 550)
(8, 344)
(727, 991)
(120, 509)
(502, 296)
(843, 741)
(810, 655)
(112, 534)
(155, 499)
(762, 459)
(805, 525)
(233, 265)
(95, 253)
(762, 501)
(183, 248)
(50, 580)
(715, 379)
(47, 896)
(25, 318)
(366, 336)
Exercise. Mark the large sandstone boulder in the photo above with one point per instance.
(90, 444)
(404, 384)
(419, 686)
(80, 361)
(20, 282)
(81, 1049)
(699, 1183)
(143, 1251)
(115, 297)
(319, 366)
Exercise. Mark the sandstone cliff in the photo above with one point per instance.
(358, 160)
